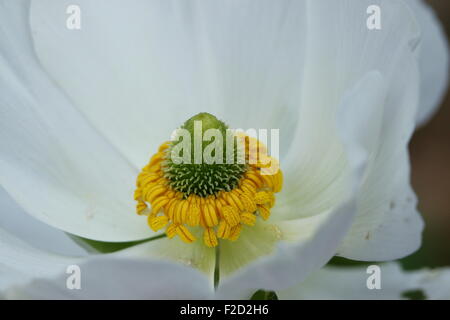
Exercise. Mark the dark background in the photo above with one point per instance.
(430, 157)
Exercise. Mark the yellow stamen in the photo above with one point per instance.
(248, 187)
(235, 233)
(224, 229)
(194, 215)
(185, 234)
(221, 215)
(156, 191)
(268, 180)
(157, 223)
(164, 146)
(181, 211)
(248, 201)
(248, 218)
(257, 180)
(264, 212)
(231, 215)
(158, 204)
(141, 207)
(171, 231)
(210, 215)
(171, 207)
(209, 237)
(263, 197)
(233, 200)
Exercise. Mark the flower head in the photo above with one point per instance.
(81, 110)
(219, 197)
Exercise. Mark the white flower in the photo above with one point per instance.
(81, 110)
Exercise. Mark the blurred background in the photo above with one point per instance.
(430, 157)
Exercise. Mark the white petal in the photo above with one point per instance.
(138, 81)
(350, 283)
(435, 283)
(289, 261)
(40, 235)
(257, 49)
(20, 262)
(319, 178)
(309, 241)
(433, 60)
(253, 243)
(122, 279)
(53, 163)
(28, 273)
(388, 225)
(194, 255)
(340, 51)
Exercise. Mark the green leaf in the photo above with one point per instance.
(414, 295)
(108, 247)
(264, 295)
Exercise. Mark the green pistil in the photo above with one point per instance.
(204, 179)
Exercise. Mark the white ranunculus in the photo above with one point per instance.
(81, 110)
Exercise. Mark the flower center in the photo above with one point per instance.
(219, 187)
(203, 178)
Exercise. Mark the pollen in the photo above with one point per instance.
(208, 201)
